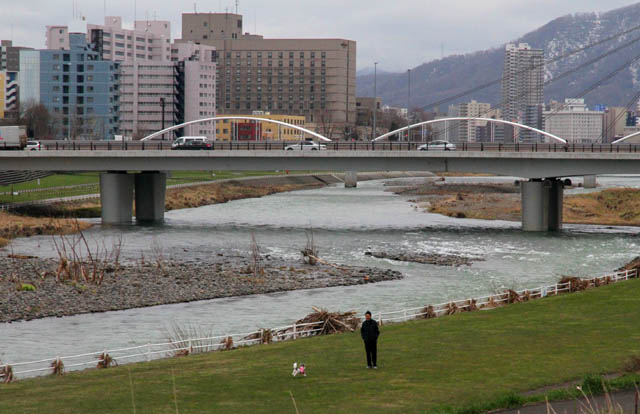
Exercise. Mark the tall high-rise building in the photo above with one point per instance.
(311, 77)
(615, 119)
(523, 90)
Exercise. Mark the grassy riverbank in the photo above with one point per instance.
(612, 207)
(462, 363)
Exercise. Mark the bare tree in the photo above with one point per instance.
(37, 119)
(327, 124)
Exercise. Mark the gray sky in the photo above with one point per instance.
(399, 34)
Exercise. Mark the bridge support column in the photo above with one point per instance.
(589, 181)
(350, 179)
(116, 197)
(542, 205)
(151, 188)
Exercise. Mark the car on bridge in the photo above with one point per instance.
(306, 146)
(191, 143)
(33, 146)
(437, 146)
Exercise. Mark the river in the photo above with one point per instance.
(346, 223)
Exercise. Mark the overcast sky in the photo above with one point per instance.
(399, 34)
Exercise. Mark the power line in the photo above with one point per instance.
(555, 59)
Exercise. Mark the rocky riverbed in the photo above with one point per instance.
(427, 258)
(149, 284)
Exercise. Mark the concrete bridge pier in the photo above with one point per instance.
(350, 179)
(589, 181)
(542, 205)
(150, 192)
(116, 197)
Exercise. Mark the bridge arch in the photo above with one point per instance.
(623, 139)
(230, 117)
(498, 121)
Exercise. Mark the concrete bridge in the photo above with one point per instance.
(125, 173)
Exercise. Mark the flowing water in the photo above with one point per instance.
(346, 223)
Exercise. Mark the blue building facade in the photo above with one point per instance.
(80, 91)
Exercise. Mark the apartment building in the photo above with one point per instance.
(615, 119)
(467, 129)
(523, 90)
(79, 89)
(315, 78)
(162, 84)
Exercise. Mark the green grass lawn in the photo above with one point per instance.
(59, 180)
(425, 366)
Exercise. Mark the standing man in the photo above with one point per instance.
(369, 332)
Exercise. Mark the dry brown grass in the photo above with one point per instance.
(14, 225)
(216, 193)
(613, 207)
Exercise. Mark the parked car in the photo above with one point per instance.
(306, 146)
(33, 146)
(192, 144)
(437, 146)
(184, 140)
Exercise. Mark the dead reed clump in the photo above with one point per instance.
(6, 374)
(526, 296)
(81, 262)
(189, 339)
(470, 306)
(429, 313)
(227, 343)
(512, 296)
(257, 266)
(310, 253)
(491, 303)
(452, 309)
(264, 335)
(575, 283)
(633, 364)
(326, 323)
(105, 361)
(57, 367)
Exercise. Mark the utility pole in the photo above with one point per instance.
(408, 102)
(375, 99)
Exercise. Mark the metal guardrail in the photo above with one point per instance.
(338, 146)
(294, 331)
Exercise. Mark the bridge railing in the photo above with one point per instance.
(184, 346)
(340, 146)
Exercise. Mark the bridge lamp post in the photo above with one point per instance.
(162, 104)
(408, 104)
(375, 98)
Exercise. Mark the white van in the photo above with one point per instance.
(184, 140)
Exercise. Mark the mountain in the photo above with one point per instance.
(442, 78)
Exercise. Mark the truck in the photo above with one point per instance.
(13, 137)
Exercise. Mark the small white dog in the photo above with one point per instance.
(298, 370)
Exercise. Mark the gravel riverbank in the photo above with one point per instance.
(141, 285)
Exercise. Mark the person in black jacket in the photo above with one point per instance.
(370, 332)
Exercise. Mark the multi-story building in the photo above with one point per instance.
(615, 119)
(243, 130)
(523, 90)
(9, 68)
(575, 122)
(162, 84)
(311, 77)
(467, 129)
(79, 89)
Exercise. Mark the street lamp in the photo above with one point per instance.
(408, 102)
(162, 104)
(375, 99)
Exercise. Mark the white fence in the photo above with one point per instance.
(151, 351)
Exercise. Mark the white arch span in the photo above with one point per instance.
(623, 139)
(222, 118)
(499, 121)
